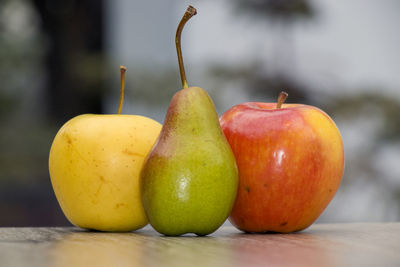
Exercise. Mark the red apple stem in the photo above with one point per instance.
(121, 97)
(281, 99)
(190, 12)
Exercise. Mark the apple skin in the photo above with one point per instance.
(290, 162)
(94, 165)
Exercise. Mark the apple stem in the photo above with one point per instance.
(121, 97)
(190, 12)
(281, 99)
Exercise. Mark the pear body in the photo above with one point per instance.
(189, 180)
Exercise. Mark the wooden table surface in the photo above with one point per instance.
(358, 244)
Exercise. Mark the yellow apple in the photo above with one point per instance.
(94, 165)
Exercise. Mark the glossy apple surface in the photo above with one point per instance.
(94, 164)
(290, 162)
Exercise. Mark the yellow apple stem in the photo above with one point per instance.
(281, 99)
(190, 12)
(121, 97)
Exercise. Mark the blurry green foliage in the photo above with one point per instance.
(282, 10)
(387, 106)
(152, 87)
(21, 50)
(260, 83)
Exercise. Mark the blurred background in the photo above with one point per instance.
(59, 59)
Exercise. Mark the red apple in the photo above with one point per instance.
(290, 159)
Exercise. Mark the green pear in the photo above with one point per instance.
(189, 180)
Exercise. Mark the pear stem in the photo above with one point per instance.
(281, 99)
(121, 97)
(190, 12)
